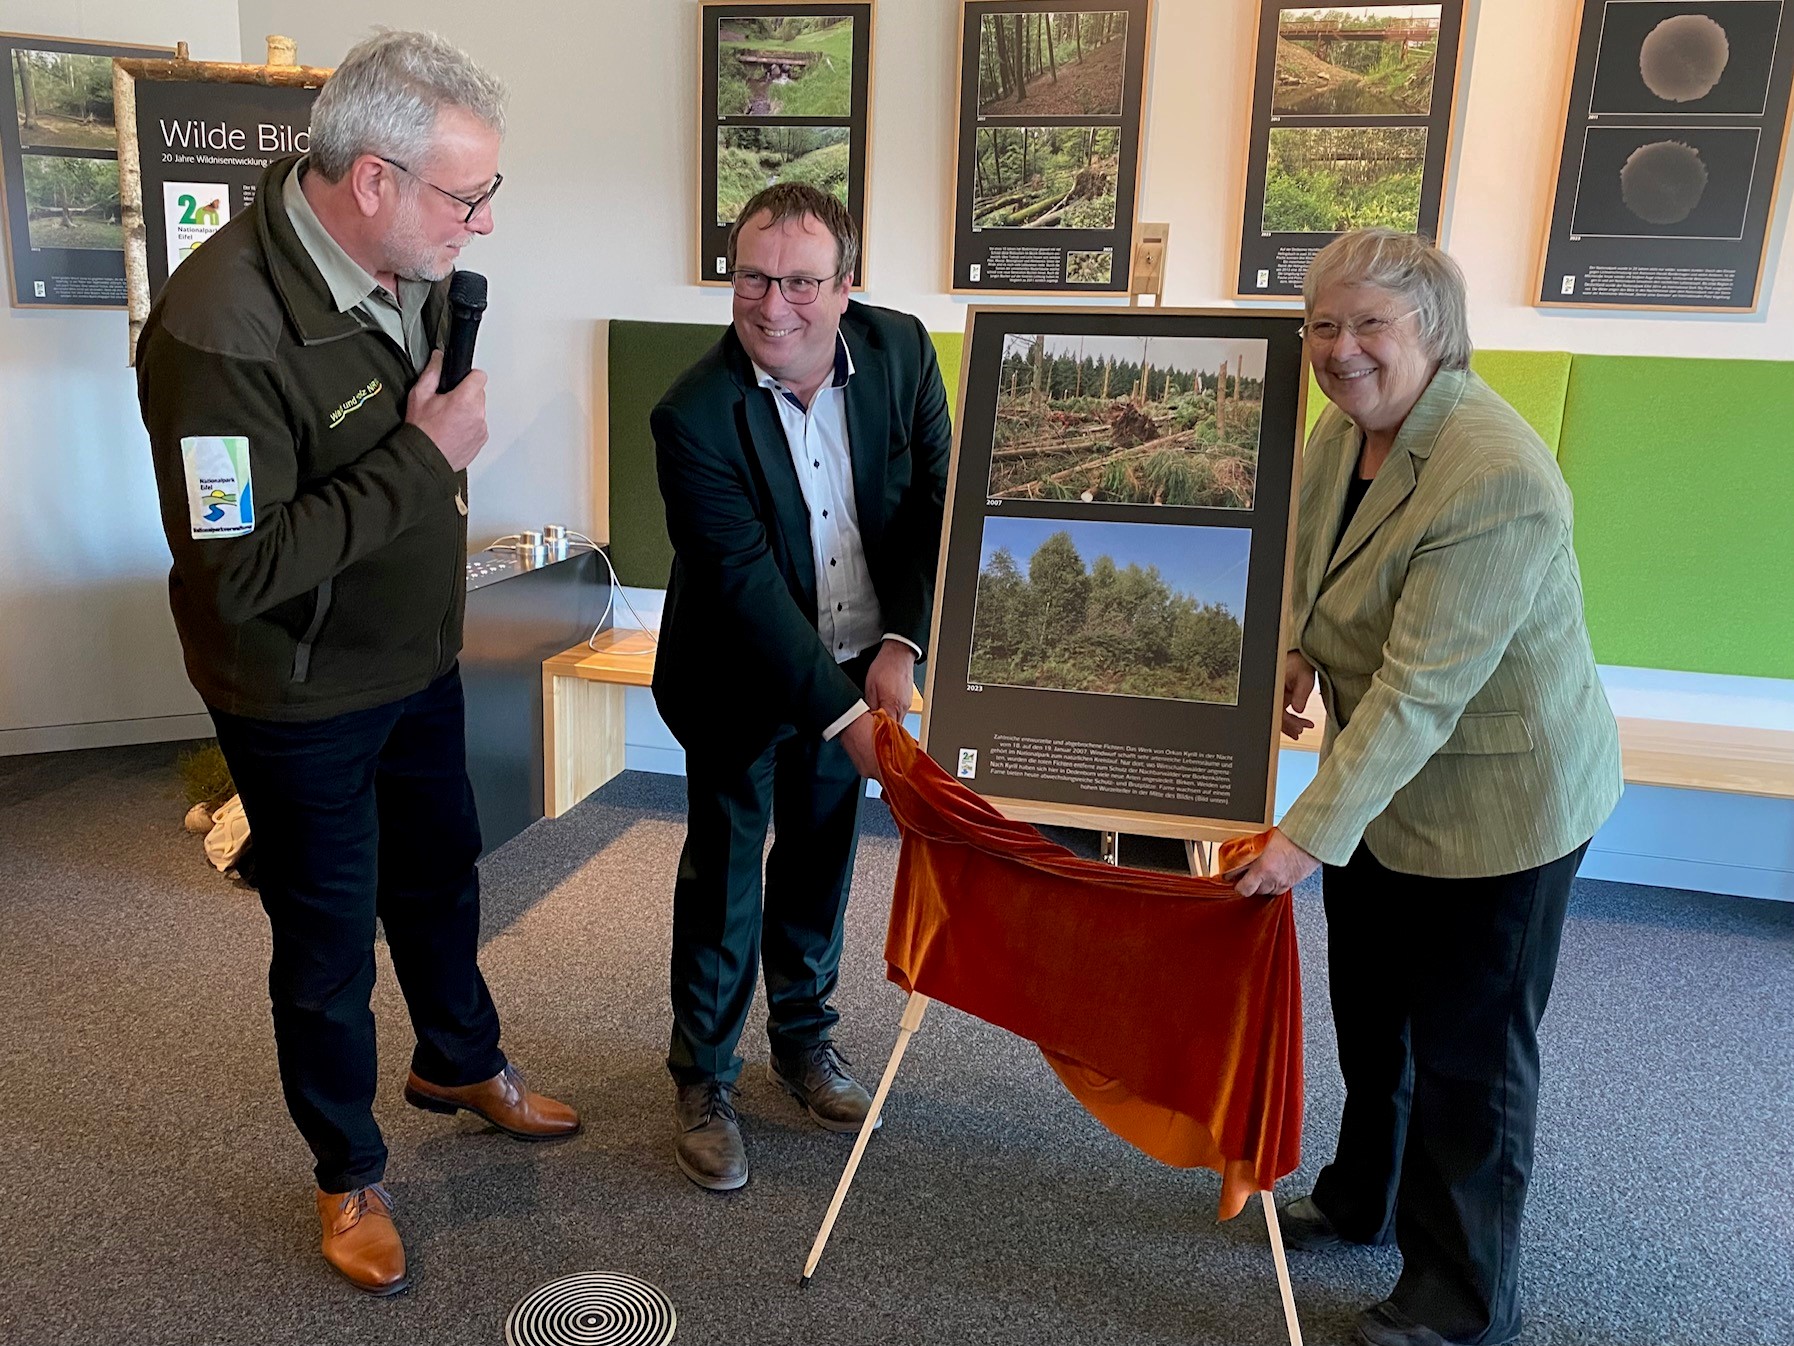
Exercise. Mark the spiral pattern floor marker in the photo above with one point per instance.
(593, 1308)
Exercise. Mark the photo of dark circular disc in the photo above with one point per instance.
(1683, 57)
(1663, 182)
(593, 1308)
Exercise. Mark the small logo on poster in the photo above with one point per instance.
(977, 273)
(1264, 278)
(1569, 285)
(37, 287)
(191, 213)
(968, 763)
(722, 266)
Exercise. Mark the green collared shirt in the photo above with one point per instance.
(351, 287)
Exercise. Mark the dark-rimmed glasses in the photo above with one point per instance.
(473, 203)
(796, 289)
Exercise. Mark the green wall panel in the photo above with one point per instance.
(1683, 472)
(645, 358)
(1534, 383)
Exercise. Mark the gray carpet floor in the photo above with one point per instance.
(155, 1191)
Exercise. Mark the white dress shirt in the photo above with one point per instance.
(848, 616)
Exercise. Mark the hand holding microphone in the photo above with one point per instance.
(448, 401)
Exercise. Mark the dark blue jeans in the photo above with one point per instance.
(363, 816)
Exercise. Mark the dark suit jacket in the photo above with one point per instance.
(739, 652)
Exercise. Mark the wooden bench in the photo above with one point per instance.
(583, 692)
(1674, 754)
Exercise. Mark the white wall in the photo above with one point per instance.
(596, 222)
(87, 649)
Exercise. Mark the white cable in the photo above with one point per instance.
(509, 542)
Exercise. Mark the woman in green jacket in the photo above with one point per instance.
(1470, 755)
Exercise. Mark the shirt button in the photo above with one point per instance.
(839, 606)
(825, 514)
(816, 462)
(831, 560)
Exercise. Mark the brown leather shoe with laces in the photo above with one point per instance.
(817, 1077)
(360, 1239)
(504, 1100)
(708, 1148)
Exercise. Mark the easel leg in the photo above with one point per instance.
(912, 1020)
(1289, 1295)
(1200, 857)
(1111, 842)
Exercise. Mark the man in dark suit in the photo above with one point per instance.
(803, 461)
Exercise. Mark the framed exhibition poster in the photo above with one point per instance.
(785, 95)
(193, 140)
(65, 238)
(1351, 127)
(1048, 165)
(1675, 129)
(1108, 635)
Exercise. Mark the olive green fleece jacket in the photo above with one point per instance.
(341, 584)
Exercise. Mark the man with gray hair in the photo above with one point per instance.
(313, 484)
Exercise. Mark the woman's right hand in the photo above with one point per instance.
(1298, 686)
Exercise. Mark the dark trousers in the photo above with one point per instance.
(1438, 986)
(724, 922)
(363, 816)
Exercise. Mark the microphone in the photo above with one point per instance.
(467, 301)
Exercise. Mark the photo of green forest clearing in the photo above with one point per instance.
(1328, 179)
(72, 203)
(785, 67)
(749, 158)
(1128, 420)
(1156, 613)
(1045, 177)
(64, 100)
(1356, 61)
(1051, 65)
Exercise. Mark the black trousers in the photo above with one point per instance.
(1438, 986)
(363, 816)
(725, 922)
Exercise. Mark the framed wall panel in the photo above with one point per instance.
(1108, 642)
(1352, 115)
(785, 96)
(1675, 133)
(64, 222)
(1047, 170)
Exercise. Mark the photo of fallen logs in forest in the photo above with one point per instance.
(1128, 420)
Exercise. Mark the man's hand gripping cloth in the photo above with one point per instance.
(1171, 1007)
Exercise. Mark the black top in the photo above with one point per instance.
(1356, 489)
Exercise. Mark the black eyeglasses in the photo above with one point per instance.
(796, 289)
(472, 203)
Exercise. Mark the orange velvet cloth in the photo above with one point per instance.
(1170, 1006)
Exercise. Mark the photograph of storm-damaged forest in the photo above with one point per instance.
(1119, 609)
(1356, 61)
(1128, 420)
(1051, 65)
(1045, 177)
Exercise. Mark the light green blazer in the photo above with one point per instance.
(1467, 731)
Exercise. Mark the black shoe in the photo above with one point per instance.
(709, 1149)
(817, 1077)
(1385, 1325)
(1305, 1226)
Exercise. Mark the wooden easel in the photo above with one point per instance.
(1198, 852)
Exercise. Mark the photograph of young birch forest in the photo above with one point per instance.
(1128, 420)
(1119, 609)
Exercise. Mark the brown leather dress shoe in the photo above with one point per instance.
(361, 1241)
(504, 1100)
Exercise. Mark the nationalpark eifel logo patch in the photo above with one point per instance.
(220, 498)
